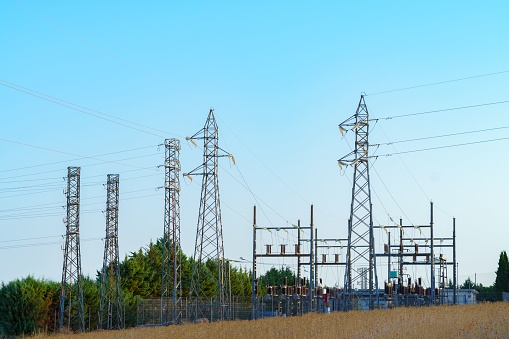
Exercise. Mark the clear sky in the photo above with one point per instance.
(281, 76)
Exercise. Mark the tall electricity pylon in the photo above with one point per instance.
(209, 252)
(360, 263)
(111, 298)
(171, 292)
(71, 287)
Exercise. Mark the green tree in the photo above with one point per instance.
(141, 272)
(469, 283)
(27, 306)
(240, 282)
(91, 301)
(275, 277)
(502, 279)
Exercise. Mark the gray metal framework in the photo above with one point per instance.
(360, 260)
(171, 291)
(410, 253)
(209, 250)
(111, 297)
(298, 253)
(72, 311)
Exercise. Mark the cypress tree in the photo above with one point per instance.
(502, 279)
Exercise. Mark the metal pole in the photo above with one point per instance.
(372, 271)
(454, 282)
(253, 292)
(316, 257)
(401, 250)
(347, 288)
(432, 257)
(298, 257)
(389, 257)
(311, 263)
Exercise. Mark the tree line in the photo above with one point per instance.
(29, 305)
(493, 292)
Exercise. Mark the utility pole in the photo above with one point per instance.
(454, 266)
(361, 250)
(432, 250)
(71, 286)
(209, 232)
(172, 261)
(111, 297)
(254, 281)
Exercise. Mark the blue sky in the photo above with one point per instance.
(281, 77)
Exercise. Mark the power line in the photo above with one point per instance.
(441, 147)
(407, 168)
(390, 194)
(72, 160)
(274, 174)
(42, 215)
(83, 109)
(441, 136)
(9, 247)
(57, 206)
(66, 153)
(442, 110)
(245, 184)
(34, 238)
(438, 83)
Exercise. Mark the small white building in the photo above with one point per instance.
(463, 296)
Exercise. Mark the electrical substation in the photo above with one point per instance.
(409, 266)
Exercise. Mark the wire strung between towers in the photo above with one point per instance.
(441, 110)
(440, 147)
(438, 83)
(439, 136)
(88, 111)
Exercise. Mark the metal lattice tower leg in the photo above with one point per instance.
(71, 288)
(360, 264)
(209, 234)
(171, 293)
(111, 297)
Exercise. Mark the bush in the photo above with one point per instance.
(27, 306)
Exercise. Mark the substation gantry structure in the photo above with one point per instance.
(72, 310)
(360, 257)
(298, 253)
(307, 256)
(110, 312)
(171, 287)
(332, 294)
(209, 249)
(418, 251)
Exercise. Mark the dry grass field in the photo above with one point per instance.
(489, 320)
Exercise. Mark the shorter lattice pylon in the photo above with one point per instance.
(110, 315)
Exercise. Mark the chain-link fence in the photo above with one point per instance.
(149, 311)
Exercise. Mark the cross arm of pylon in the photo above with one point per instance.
(347, 125)
(197, 136)
(197, 171)
(348, 160)
(226, 154)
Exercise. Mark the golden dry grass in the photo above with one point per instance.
(488, 320)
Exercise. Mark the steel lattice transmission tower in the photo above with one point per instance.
(71, 288)
(111, 298)
(360, 263)
(209, 234)
(171, 292)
